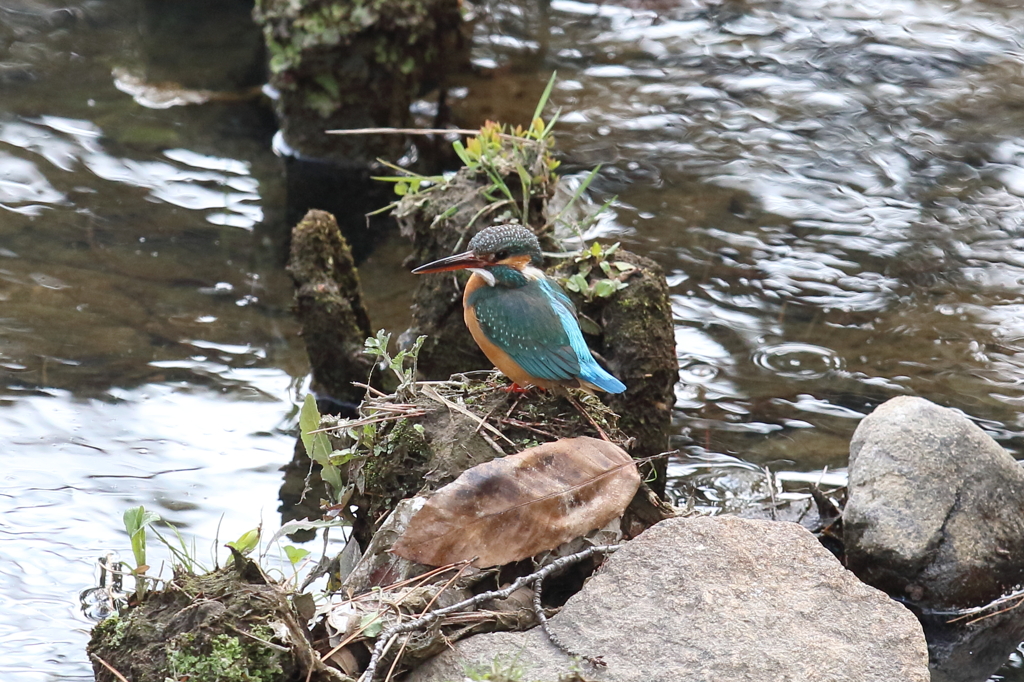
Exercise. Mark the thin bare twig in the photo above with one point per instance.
(434, 395)
(112, 669)
(961, 614)
(370, 388)
(770, 478)
(538, 610)
(424, 131)
(386, 637)
(581, 410)
(370, 420)
(405, 642)
(523, 425)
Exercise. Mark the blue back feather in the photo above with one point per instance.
(536, 325)
(590, 371)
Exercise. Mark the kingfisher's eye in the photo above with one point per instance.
(501, 255)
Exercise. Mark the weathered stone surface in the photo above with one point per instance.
(715, 599)
(936, 507)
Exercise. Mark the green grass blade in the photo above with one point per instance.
(576, 195)
(544, 98)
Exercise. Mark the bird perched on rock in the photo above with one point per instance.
(521, 319)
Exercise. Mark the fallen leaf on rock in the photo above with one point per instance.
(518, 506)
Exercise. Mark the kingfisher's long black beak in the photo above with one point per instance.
(459, 261)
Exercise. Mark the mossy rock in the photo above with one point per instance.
(637, 341)
(224, 626)
(329, 305)
(356, 64)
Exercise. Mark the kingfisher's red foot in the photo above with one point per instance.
(516, 388)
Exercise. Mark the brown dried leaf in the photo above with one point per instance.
(518, 506)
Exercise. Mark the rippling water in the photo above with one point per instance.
(836, 191)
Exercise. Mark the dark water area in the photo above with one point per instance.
(835, 190)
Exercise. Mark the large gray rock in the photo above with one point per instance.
(715, 599)
(936, 507)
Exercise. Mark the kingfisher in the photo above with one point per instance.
(521, 319)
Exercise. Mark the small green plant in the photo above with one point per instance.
(318, 447)
(501, 669)
(361, 433)
(403, 364)
(615, 272)
(247, 542)
(136, 520)
(499, 153)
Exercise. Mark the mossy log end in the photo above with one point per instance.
(356, 64)
(437, 303)
(241, 629)
(637, 338)
(329, 304)
(454, 425)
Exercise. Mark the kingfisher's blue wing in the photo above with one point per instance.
(529, 323)
(590, 372)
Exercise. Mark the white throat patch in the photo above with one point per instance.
(533, 273)
(486, 274)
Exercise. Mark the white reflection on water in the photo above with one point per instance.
(71, 468)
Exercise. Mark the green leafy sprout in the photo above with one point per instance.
(499, 153)
(137, 522)
(594, 259)
(360, 434)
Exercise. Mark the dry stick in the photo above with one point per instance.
(494, 446)
(427, 619)
(370, 420)
(368, 387)
(600, 431)
(423, 131)
(538, 610)
(975, 610)
(434, 395)
(405, 642)
(515, 404)
(393, 586)
(771, 493)
(484, 420)
(523, 425)
(111, 668)
(990, 615)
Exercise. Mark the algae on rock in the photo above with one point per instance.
(356, 64)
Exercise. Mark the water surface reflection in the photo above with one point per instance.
(836, 191)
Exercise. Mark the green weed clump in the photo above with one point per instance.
(225, 658)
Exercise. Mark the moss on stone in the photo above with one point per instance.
(355, 64)
(229, 625)
(224, 658)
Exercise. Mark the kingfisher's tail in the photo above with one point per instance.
(594, 374)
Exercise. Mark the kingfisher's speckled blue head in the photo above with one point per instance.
(500, 250)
